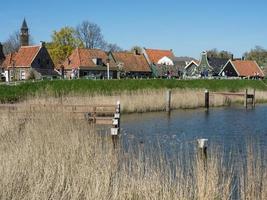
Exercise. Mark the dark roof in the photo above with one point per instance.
(24, 25)
(217, 64)
(184, 58)
(180, 65)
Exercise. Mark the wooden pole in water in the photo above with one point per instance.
(168, 101)
(246, 98)
(254, 98)
(207, 99)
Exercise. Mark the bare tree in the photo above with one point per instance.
(12, 44)
(112, 47)
(90, 34)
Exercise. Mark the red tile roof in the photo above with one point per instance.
(247, 68)
(132, 62)
(155, 55)
(26, 55)
(84, 58)
(8, 62)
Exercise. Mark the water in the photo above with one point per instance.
(227, 127)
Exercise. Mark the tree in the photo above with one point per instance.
(137, 49)
(12, 44)
(90, 34)
(258, 54)
(62, 44)
(219, 54)
(112, 47)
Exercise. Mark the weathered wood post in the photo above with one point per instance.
(207, 99)
(202, 148)
(116, 120)
(168, 100)
(246, 98)
(254, 98)
(115, 130)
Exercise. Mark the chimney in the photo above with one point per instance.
(243, 58)
(232, 57)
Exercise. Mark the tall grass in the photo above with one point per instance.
(147, 100)
(53, 156)
(112, 87)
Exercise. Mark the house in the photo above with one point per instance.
(90, 63)
(180, 64)
(207, 67)
(191, 69)
(131, 64)
(242, 69)
(161, 62)
(29, 62)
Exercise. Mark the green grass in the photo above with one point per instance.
(64, 87)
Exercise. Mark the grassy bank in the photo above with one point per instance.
(114, 87)
(54, 157)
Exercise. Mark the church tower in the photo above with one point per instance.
(24, 34)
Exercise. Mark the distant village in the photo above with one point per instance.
(35, 62)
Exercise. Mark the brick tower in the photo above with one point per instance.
(24, 34)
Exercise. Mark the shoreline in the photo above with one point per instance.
(143, 101)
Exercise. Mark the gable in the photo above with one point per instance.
(42, 59)
(165, 61)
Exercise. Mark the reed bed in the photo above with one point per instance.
(148, 100)
(52, 156)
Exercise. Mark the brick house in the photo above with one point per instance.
(131, 64)
(90, 63)
(28, 62)
(242, 69)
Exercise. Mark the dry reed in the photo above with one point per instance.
(52, 156)
(149, 100)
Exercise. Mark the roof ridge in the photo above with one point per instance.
(30, 46)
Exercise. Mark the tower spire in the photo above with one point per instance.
(24, 34)
(24, 25)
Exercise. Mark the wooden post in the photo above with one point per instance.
(94, 114)
(115, 130)
(207, 99)
(246, 98)
(254, 98)
(168, 101)
(202, 148)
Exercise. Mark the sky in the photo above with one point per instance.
(186, 26)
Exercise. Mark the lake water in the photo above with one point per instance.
(227, 127)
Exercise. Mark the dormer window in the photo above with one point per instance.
(97, 61)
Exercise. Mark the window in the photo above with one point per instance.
(39, 61)
(22, 75)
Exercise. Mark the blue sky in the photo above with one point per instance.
(186, 26)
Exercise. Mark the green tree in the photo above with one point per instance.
(62, 44)
(136, 49)
(219, 54)
(258, 54)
